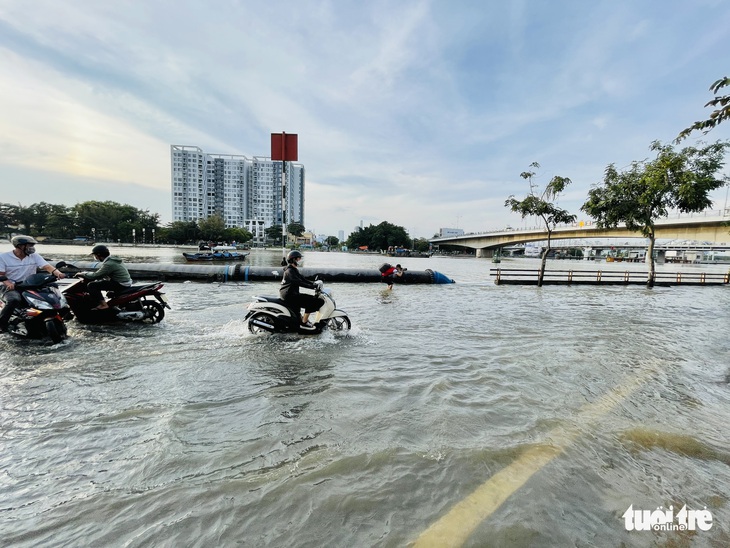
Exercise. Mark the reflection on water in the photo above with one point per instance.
(193, 431)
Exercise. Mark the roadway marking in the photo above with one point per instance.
(454, 528)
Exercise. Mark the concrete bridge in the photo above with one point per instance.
(706, 226)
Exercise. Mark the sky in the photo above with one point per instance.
(422, 113)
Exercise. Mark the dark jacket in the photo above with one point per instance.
(291, 282)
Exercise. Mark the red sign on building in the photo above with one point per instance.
(284, 147)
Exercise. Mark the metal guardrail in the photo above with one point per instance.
(673, 216)
(515, 276)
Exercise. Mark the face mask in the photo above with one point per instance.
(29, 250)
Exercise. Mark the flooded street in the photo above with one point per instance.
(503, 416)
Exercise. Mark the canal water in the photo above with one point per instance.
(464, 414)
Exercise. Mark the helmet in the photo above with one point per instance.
(293, 255)
(20, 239)
(100, 250)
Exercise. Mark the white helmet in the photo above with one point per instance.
(21, 239)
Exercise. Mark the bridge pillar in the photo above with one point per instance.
(484, 253)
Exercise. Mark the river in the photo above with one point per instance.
(462, 414)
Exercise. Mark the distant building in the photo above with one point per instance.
(245, 192)
(450, 232)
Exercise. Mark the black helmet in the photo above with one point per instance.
(21, 239)
(293, 255)
(100, 250)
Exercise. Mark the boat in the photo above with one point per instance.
(402, 252)
(217, 253)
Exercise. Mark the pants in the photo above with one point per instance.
(95, 288)
(12, 300)
(309, 303)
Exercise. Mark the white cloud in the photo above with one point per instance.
(419, 112)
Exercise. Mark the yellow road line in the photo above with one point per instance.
(459, 523)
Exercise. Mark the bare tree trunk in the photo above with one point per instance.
(650, 258)
(541, 273)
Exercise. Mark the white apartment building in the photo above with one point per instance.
(245, 192)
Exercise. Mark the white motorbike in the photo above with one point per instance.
(272, 315)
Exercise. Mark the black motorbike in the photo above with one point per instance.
(43, 309)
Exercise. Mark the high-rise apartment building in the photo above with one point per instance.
(245, 192)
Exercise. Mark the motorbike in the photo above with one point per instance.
(43, 310)
(139, 303)
(268, 314)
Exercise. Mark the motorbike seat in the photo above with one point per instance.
(132, 289)
(277, 300)
(270, 299)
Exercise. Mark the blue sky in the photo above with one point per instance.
(416, 112)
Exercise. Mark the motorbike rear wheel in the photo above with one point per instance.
(154, 312)
(263, 318)
(56, 330)
(338, 323)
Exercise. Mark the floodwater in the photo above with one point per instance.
(464, 414)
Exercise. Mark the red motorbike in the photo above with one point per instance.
(139, 303)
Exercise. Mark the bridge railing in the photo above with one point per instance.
(708, 213)
(517, 276)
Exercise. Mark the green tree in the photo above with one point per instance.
(212, 228)
(719, 115)
(540, 204)
(273, 234)
(297, 229)
(332, 241)
(25, 218)
(645, 192)
(238, 235)
(113, 220)
(8, 218)
(379, 237)
(179, 232)
(60, 223)
(422, 245)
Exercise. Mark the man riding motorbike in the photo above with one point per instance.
(16, 266)
(289, 290)
(111, 276)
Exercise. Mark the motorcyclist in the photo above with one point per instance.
(17, 266)
(111, 276)
(289, 290)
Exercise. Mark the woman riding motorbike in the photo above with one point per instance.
(289, 290)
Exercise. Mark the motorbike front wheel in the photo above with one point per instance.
(154, 312)
(338, 323)
(56, 330)
(261, 318)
